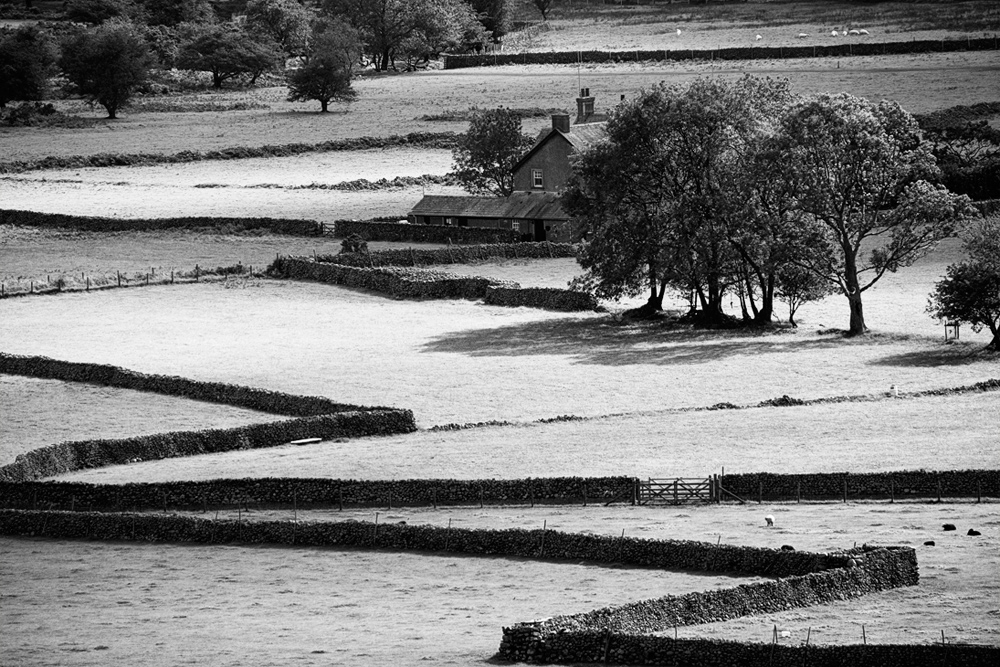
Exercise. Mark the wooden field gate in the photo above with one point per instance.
(678, 491)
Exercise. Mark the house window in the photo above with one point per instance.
(536, 179)
(516, 226)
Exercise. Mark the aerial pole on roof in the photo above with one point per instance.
(579, 65)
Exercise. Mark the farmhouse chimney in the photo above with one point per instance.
(560, 121)
(584, 106)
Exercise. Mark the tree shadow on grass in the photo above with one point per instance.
(608, 343)
(962, 354)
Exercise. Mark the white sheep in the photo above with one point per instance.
(862, 32)
(758, 38)
(803, 34)
(854, 32)
(834, 33)
(678, 32)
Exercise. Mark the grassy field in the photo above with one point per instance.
(164, 603)
(77, 603)
(43, 412)
(171, 604)
(393, 104)
(591, 25)
(854, 437)
(432, 356)
(39, 254)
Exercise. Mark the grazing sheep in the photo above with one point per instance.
(769, 519)
(803, 34)
(854, 32)
(834, 33)
(862, 32)
(758, 38)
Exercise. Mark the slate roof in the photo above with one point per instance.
(580, 137)
(519, 206)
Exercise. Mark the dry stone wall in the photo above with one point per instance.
(397, 281)
(466, 254)
(897, 485)
(617, 633)
(546, 298)
(396, 231)
(312, 492)
(83, 454)
(262, 400)
(99, 224)
(840, 50)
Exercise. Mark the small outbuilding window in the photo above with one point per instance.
(516, 226)
(536, 179)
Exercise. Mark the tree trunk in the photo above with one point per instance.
(995, 343)
(857, 315)
(766, 312)
(112, 112)
(323, 106)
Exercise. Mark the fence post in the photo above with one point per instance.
(88, 283)
(675, 492)
(119, 275)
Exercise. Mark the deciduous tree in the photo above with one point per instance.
(485, 155)
(107, 64)
(970, 291)
(859, 167)
(227, 51)
(283, 21)
(544, 7)
(27, 60)
(325, 75)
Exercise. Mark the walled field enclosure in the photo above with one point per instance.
(233, 432)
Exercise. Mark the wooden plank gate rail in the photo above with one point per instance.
(677, 491)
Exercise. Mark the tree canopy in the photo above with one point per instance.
(859, 169)
(227, 50)
(485, 156)
(107, 64)
(325, 75)
(738, 188)
(27, 59)
(970, 290)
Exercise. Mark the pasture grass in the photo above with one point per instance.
(221, 604)
(227, 605)
(394, 104)
(43, 255)
(934, 433)
(435, 357)
(41, 412)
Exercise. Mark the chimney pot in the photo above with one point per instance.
(560, 121)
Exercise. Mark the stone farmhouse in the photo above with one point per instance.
(539, 176)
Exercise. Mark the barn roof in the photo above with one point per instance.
(519, 206)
